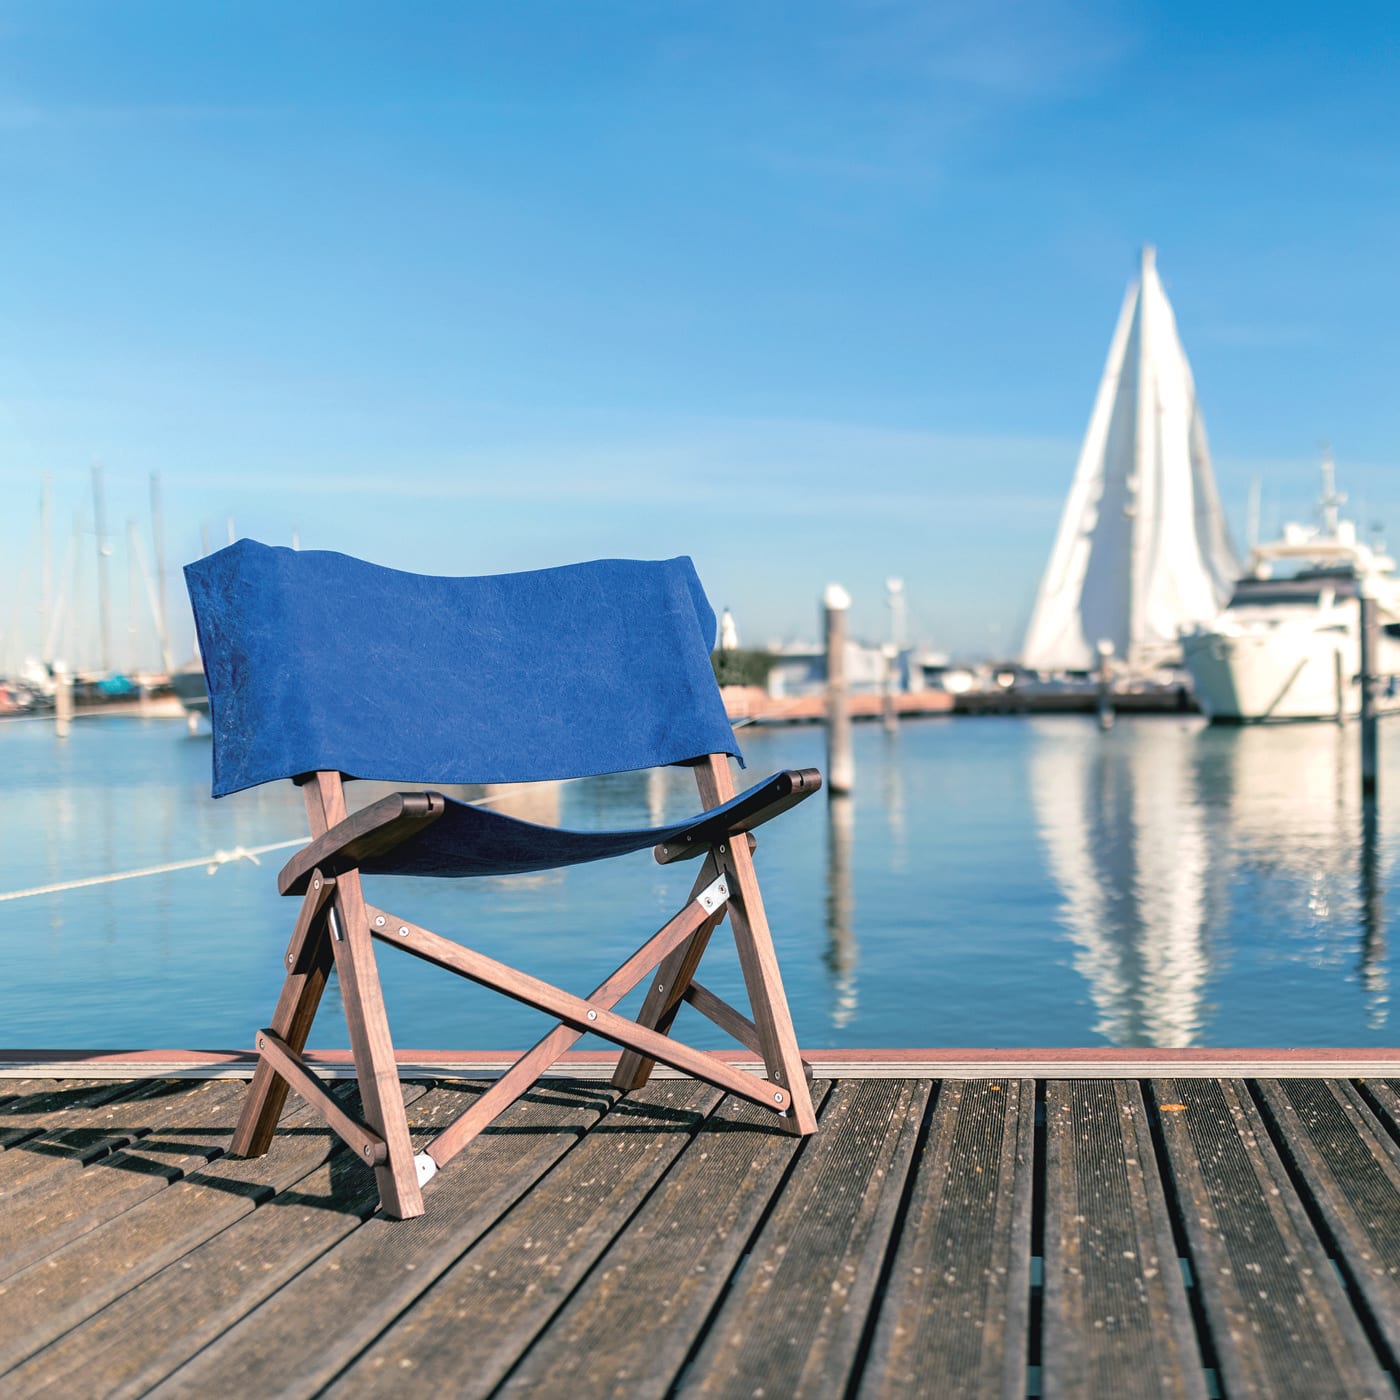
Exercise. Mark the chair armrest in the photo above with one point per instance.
(369, 832)
(758, 805)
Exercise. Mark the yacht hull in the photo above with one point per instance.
(1284, 674)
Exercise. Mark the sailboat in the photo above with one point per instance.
(1143, 550)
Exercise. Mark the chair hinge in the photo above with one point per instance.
(713, 895)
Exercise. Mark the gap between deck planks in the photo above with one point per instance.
(1191, 1233)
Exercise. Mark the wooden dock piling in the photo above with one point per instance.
(840, 765)
(1370, 648)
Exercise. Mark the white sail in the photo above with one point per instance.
(1142, 549)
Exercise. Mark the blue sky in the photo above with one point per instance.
(808, 291)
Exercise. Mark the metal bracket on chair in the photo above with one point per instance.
(713, 895)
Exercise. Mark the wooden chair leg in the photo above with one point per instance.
(759, 962)
(381, 1094)
(309, 960)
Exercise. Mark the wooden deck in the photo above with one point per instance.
(1002, 1236)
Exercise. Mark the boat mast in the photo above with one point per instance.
(158, 545)
(104, 618)
(46, 565)
(1331, 500)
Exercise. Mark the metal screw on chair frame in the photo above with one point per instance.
(660, 986)
(403, 930)
(369, 1151)
(315, 884)
(379, 921)
(777, 1098)
(592, 1015)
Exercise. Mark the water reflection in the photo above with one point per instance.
(1374, 977)
(1128, 848)
(1161, 846)
(842, 952)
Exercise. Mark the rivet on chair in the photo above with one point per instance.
(722, 850)
(592, 1015)
(369, 1151)
(403, 930)
(777, 1098)
(315, 884)
(660, 986)
(379, 922)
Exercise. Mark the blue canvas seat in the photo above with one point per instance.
(323, 668)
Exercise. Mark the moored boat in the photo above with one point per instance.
(1287, 645)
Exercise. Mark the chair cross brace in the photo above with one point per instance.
(335, 926)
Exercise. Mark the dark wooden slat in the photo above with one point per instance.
(1279, 1319)
(1116, 1321)
(331, 1311)
(629, 1329)
(516, 1276)
(1352, 1170)
(45, 1102)
(122, 1260)
(793, 1323)
(61, 1206)
(956, 1311)
(365, 1143)
(80, 1134)
(782, 791)
(369, 832)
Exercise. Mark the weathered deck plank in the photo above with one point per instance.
(794, 1322)
(47, 1105)
(630, 1329)
(1116, 1320)
(298, 1341)
(955, 1316)
(109, 1264)
(673, 1241)
(1278, 1316)
(519, 1273)
(58, 1209)
(1351, 1168)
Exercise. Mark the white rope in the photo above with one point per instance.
(211, 862)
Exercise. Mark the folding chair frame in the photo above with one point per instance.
(335, 927)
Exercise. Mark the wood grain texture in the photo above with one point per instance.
(1278, 1315)
(794, 1322)
(629, 1332)
(327, 1313)
(1116, 1319)
(58, 1208)
(1351, 1168)
(955, 1317)
(133, 1288)
(520, 1272)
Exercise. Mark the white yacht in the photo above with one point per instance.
(1287, 645)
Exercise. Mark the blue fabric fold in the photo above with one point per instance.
(318, 661)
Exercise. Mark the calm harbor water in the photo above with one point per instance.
(1011, 881)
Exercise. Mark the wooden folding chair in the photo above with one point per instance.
(322, 667)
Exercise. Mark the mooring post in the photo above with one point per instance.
(1370, 646)
(62, 703)
(1105, 679)
(840, 766)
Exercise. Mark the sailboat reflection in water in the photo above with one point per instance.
(1183, 856)
(1127, 844)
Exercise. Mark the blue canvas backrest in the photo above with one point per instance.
(318, 661)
